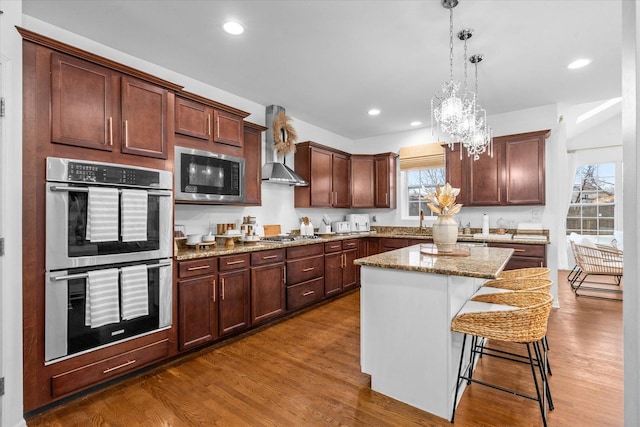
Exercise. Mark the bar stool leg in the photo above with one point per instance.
(535, 381)
(541, 355)
(455, 396)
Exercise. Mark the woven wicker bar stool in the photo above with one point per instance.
(539, 272)
(530, 284)
(516, 317)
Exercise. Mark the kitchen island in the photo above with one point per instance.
(407, 301)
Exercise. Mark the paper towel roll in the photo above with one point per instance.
(485, 224)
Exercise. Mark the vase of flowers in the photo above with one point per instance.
(445, 228)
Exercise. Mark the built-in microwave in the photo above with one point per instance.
(206, 176)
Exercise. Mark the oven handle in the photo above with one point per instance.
(85, 275)
(86, 190)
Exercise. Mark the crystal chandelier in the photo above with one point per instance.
(480, 140)
(455, 109)
(447, 106)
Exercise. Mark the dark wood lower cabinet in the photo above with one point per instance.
(524, 255)
(197, 311)
(267, 292)
(234, 301)
(333, 273)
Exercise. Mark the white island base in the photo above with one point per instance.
(406, 341)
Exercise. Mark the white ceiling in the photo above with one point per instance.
(329, 62)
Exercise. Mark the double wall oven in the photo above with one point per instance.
(108, 255)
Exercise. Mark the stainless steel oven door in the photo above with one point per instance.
(66, 333)
(66, 217)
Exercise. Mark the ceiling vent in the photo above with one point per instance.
(275, 171)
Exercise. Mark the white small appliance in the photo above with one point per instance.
(359, 223)
(341, 227)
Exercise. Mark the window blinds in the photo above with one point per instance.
(422, 156)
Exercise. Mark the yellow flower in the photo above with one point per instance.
(443, 201)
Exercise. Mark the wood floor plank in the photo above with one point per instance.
(306, 371)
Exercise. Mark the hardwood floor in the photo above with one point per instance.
(305, 371)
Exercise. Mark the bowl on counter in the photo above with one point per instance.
(209, 238)
(194, 239)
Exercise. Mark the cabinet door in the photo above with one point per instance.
(486, 178)
(228, 128)
(82, 103)
(193, 119)
(234, 301)
(252, 166)
(455, 171)
(267, 292)
(341, 181)
(144, 113)
(349, 270)
(525, 171)
(385, 179)
(321, 178)
(362, 181)
(197, 311)
(333, 273)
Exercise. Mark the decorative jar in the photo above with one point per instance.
(445, 233)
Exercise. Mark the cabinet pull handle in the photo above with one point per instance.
(344, 259)
(306, 294)
(270, 257)
(208, 124)
(222, 293)
(126, 133)
(214, 290)
(284, 275)
(218, 126)
(334, 247)
(235, 262)
(110, 130)
(307, 269)
(200, 267)
(130, 362)
(519, 250)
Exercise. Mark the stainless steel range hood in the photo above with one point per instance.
(275, 171)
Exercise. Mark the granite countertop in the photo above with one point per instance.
(186, 253)
(482, 262)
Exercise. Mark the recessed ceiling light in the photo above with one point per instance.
(374, 112)
(233, 27)
(579, 63)
(416, 123)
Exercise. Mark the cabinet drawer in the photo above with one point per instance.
(267, 257)
(305, 251)
(108, 368)
(332, 246)
(349, 244)
(234, 262)
(305, 269)
(391, 244)
(305, 293)
(197, 267)
(523, 250)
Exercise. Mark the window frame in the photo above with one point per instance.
(597, 231)
(429, 217)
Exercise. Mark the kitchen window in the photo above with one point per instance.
(421, 169)
(592, 205)
(421, 182)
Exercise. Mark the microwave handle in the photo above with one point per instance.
(86, 190)
(85, 275)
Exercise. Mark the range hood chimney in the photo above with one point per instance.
(273, 170)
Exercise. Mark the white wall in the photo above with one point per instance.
(11, 215)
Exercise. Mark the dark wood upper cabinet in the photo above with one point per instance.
(328, 172)
(385, 180)
(208, 120)
(515, 175)
(144, 117)
(83, 96)
(362, 181)
(253, 163)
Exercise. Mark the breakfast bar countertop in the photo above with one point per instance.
(482, 262)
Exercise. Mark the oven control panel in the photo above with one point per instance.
(107, 174)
